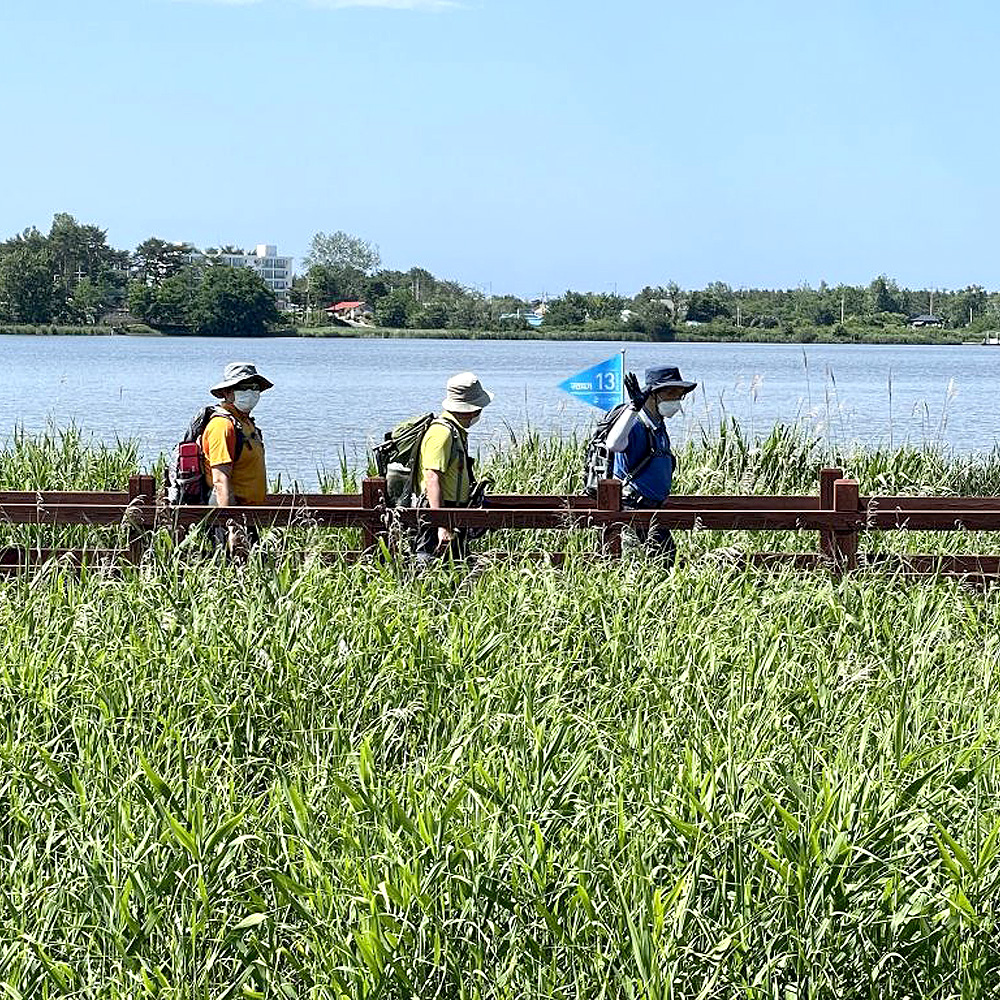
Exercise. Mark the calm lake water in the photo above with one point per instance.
(334, 396)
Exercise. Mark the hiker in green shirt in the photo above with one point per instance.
(445, 466)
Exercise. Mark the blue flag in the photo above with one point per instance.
(600, 386)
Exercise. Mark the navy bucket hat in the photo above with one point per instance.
(667, 377)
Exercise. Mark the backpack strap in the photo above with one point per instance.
(458, 452)
(241, 438)
(651, 453)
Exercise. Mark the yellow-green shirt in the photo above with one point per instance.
(218, 445)
(437, 452)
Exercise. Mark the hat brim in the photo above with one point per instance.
(467, 405)
(223, 387)
(685, 387)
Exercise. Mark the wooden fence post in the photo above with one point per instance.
(846, 501)
(373, 504)
(141, 498)
(609, 497)
(827, 539)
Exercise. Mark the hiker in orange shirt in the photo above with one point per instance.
(235, 467)
(233, 450)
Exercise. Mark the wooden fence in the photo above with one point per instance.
(837, 513)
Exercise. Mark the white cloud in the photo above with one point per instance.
(430, 5)
(389, 4)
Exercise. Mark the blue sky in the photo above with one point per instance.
(531, 146)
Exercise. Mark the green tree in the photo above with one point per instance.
(653, 316)
(671, 300)
(325, 285)
(567, 311)
(155, 260)
(28, 292)
(340, 249)
(715, 301)
(90, 299)
(433, 316)
(469, 313)
(394, 311)
(883, 296)
(140, 298)
(965, 307)
(233, 302)
(174, 300)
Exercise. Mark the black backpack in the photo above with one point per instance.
(598, 460)
(186, 472)
(397, 457)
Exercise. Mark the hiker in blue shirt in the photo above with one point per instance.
(643, 460)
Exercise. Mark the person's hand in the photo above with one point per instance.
(237, 543)
(445, 535)
(636, 394)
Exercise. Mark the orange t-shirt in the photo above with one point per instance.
(218, 445)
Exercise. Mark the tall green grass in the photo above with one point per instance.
(596, 782)
(730, 461)
(291, 779)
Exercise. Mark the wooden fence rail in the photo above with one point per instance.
(837, 513)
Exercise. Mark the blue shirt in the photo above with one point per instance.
(653, 482)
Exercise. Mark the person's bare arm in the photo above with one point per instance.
(435, 500)
(222, 481)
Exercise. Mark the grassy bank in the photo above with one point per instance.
(298, 780)
(707, 333)
(61, 330)
(449, 334)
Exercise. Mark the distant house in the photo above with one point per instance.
(531, 317)
(352, 313)
(925, 319)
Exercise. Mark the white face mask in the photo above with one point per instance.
(474, 419)
(669, 408)
(246, 399)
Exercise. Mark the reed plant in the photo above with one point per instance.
(729, 460)
(604, 781)
(295, 779)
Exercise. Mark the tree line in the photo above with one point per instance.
(71, 275)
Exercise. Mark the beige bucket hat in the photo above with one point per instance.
(465, 394)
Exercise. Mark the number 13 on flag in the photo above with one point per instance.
(601, 386)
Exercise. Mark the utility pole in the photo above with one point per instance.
(932, 304)
(842, 307)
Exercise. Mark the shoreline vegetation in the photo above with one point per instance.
(606, 780)
(71, 280)
(708, 334)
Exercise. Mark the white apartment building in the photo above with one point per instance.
(275, 271)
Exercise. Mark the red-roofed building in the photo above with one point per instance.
(351, 313)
